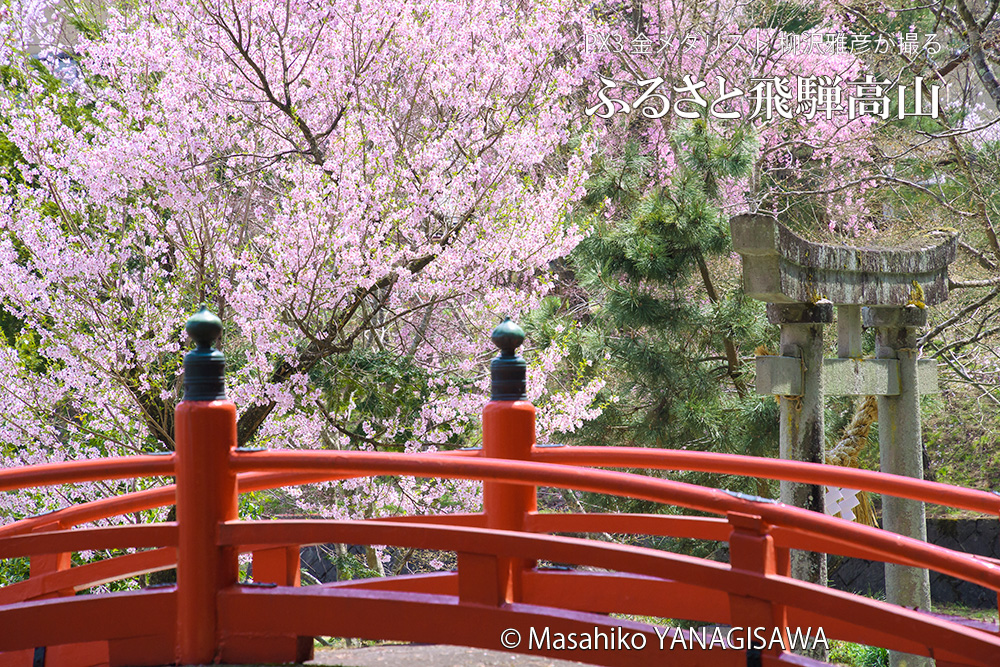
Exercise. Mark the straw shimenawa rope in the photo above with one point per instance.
(847, 453)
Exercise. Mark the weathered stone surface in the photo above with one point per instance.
(781, 267)
(894, 316)
(433, 655)
(800, 313)
(860, 377)
(966, 529)
(987, 529)
(782, 376)
(801, 436)
(849, 332)
(778, 376)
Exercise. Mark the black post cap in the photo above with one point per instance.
(204, 366)
(508, 371)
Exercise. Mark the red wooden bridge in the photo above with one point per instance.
(499, 595)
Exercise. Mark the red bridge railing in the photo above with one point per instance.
(498, 593)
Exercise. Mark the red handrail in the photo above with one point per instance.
(264, 469)
(609, 556)
(901, 549)
(68, 472)
(137, 501)
(733, 464)
(780, 469)
(314, 466)
(307, 466)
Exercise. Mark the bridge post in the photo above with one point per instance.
(42, 564)
(205, 434)
(508, 433)
(752, 549)
(280, 566)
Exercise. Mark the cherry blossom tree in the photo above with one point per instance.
(348, 186)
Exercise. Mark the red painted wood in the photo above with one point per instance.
(144, 500)
(508, 433)
(439, 583)
(281, 566)
(647, 582)
(623, 593)
(751, 549)
(143, 536)
(439, 619)
(17, 658)
(86, 576)
(87, 618)
(843, 614)
(205, 434)
(481, 580)
(84, 654)
(693, 527)
(69, 472)
(767, 468)
(45, 564)
(457, 519)
(95, 510)
(809, 524)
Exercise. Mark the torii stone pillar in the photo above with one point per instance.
(801, 414)
(802, 281)
(900, 446)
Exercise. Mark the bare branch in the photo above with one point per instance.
(927, 337)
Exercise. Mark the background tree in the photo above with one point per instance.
(652, 297)
(866, 180)
(933, 176)
(359, 192)
(672, 343)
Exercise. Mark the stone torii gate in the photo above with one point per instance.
(886, 289)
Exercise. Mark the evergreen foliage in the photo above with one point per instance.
(650, 272)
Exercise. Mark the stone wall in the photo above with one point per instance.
(976, 536)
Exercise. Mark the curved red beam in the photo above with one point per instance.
(795, 471)
(69, 472)
(138, 501)
(781, 469)
(301, 467)
(850, 609)
(896, 548)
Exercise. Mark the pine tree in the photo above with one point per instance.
(669, 336)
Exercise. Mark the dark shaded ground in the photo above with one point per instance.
(430, 655)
